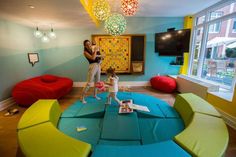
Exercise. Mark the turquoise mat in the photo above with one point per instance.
(168, 111)
(91, 135)
(120, 96)
(149, 101)
(72, 110)
(157, 130)
(163, 149)
(118, 143)
(92, 110)
(120, 126)
(106, 126)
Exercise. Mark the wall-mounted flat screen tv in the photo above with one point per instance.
(172, 43)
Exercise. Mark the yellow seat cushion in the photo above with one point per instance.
(40, 112)
(188, 103)
(205, 136)
(45, 140)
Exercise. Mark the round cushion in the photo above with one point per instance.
(163, 83)
(49, 78)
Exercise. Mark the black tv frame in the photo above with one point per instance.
(173, 33)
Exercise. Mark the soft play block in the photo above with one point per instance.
(163, 149)
(40, 112)
(120, 126)
(149, 101)
(187, 104)
(44, 140)
(118, 143)
(112, 108)
(91, 135)
(168, 111)
(72, 110)
(157, 130)
(205, 136)
(155, 112)
(92, 110)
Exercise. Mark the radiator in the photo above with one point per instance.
(186, 84)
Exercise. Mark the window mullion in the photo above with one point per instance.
(193, 44)
(203, 47)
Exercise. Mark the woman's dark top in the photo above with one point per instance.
(97, 59)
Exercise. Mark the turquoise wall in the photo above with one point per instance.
(15, 42)
(64, 56)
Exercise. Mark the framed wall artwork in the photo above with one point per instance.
(117, 52)
(125, 53)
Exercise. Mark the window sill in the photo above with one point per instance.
(224, 94)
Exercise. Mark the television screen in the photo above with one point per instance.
(172, 43)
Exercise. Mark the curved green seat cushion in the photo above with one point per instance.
(205, 136)
(91, 135)
(163, 149)
(154, 130)
(44, 140)
(40, 112)
(187, 104)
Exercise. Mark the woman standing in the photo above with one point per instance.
(94, 68)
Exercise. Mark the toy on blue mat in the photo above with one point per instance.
(81, 128)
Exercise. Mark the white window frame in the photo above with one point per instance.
(207, 22)
(234, 30)
(212, 28)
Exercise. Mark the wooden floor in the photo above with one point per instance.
(8, 134)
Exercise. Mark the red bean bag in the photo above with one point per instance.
(29, 91)
(163, 83)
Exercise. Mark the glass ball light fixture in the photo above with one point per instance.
(115, 24)
(101, 9)
(37, 33)
(45, 38)
(52, 34)
(129, 7)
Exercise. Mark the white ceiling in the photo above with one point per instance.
(71, 14)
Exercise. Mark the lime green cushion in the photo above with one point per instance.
(40, 112)
(188, 103)
(205, 136)
(44, 140)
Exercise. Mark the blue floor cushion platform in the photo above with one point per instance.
(140, 130)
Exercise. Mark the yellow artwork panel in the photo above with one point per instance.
(116, 51)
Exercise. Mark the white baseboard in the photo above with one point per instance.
(230, 120)
(121, 84)
(6, 103)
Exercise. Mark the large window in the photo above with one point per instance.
(234, 26)
(215, 28)
(214, 45)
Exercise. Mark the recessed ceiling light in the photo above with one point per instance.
(31, 6)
